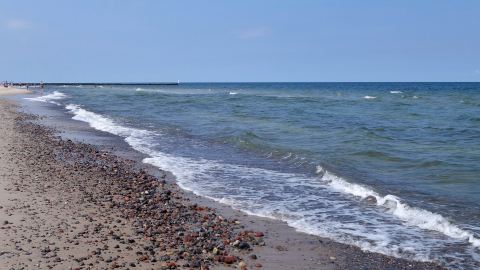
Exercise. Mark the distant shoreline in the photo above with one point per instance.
(4, 91)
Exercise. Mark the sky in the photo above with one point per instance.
(239, 41)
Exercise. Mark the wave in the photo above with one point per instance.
(50, 97)
(232, 93)
(105, 124)
(368, 228)
(369, 97)
(395, 92)
(421, 218)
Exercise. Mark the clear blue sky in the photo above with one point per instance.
(247, 40)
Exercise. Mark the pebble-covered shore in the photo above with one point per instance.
(70, 205)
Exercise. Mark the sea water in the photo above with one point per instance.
(389, 167)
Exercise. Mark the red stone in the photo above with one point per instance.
(229, 259)
(259, 234)
(171, 265)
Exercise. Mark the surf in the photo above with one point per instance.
(50, 98)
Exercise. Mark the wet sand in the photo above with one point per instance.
(71, 205)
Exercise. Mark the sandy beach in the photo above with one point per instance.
(7, 91)
(71, 205)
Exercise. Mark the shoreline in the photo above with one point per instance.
(284, 248)
(8, 91)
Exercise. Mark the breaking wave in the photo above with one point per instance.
(412, 216)
(50, 97)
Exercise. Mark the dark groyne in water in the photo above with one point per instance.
(94, 84)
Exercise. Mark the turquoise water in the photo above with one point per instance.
(315, 155)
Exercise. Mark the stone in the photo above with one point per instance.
(242, 265)
(229, 259)
(371, 199)
(259, 234)
(243, 245)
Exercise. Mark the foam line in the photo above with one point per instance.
(49, 97)
(411, 215)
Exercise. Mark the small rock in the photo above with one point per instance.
(259, 234)
(229, 259)
(242, 265)
(371, 199)
(172, 265)
(243, 245)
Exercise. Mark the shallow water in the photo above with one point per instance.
(315, 155)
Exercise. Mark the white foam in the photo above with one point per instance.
(49, 97)
(395, 92)
(369, 97)
(105, 124)
(232, 93)
(411, 215)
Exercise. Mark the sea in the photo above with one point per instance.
(392, 168)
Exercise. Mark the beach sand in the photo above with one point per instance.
(7, 91)
(70, 205)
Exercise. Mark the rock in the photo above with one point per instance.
(371, 199)
(242, 265)
(259, 234)
(229, 259)
(165, 258)
(243, 245)
(172, 265)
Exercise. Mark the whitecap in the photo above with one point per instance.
(396, 92)
(49, 97)
(413, 216)
(369, 97)
(103, 123)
